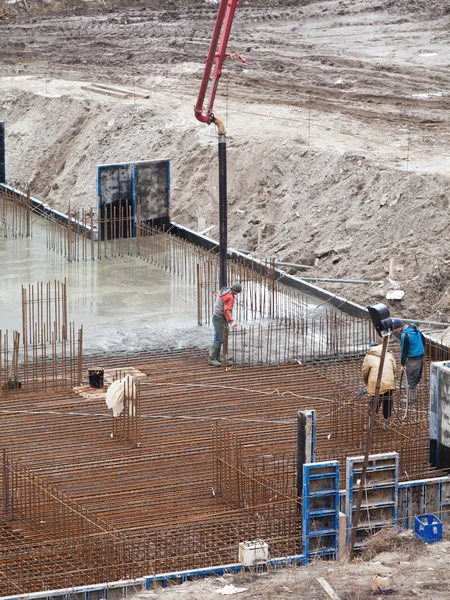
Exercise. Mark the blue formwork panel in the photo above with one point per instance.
(142, 188)
(182, 576)
(320, 510)
(428, 528)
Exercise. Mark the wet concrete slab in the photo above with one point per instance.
(123, 303)
(126, 305)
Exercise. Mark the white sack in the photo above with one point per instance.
(115, 394)
(231, 589)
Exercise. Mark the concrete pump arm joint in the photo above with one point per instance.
(219, 124)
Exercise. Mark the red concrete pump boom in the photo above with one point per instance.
(216, 56)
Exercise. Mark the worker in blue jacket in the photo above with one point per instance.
(412, 343)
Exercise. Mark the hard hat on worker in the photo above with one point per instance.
(396, 324)
(236, 288)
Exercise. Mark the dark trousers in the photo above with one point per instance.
(414, 370)
(219, 325)
(385, 400)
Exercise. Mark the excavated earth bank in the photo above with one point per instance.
(338, 130)
(338, 150)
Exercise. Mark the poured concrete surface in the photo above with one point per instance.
(124, 304)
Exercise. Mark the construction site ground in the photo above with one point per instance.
(416, 571)
(338, 157)
(338, 130)
(160, 309)
(166, 484)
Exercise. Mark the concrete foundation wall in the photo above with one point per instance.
(2, 153)
(440, 414)
(40, 208)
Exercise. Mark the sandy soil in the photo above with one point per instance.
(416, 571)
(338, 149)
(338, 131)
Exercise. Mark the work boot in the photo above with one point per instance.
(214, 354)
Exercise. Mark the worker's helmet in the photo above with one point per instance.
(236, 288)
(397, 323)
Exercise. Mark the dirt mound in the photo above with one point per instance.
(433, 8)
(338, 130)
(422, 575)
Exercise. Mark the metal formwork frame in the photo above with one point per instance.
(320, 509)
(423, 496)
(380, 499)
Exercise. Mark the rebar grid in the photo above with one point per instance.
(168, 252)
(44, 307)
(83, 236)
(74, 238)
(302, 339)
(250, 481)
(90, 546)
(171, 507)
(15, 213)
(262, 295)
(48, 355)
(127, 425)
(9, 362)
(116, 229)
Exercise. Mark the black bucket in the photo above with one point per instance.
(96, 378)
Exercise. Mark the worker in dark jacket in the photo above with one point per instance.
(222, 317)
(412, 343)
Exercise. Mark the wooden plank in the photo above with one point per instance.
(105, 92)
(114, 89)
(327, 587)
(342, 539)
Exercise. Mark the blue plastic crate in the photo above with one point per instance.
(428, 528)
